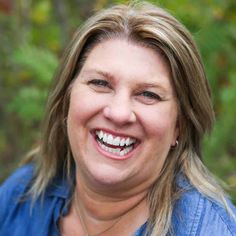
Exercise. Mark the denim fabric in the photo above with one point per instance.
(193, 214)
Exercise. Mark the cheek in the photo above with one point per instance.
(159, 123)
(77, 117)
(77, 125)
(83, 106)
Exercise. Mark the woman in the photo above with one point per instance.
(121, 150)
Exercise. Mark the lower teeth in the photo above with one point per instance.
(117, 151)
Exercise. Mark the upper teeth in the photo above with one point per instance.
(114, 140)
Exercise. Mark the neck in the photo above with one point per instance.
(99, 210)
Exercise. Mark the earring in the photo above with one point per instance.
(64, 122)
(176, 144)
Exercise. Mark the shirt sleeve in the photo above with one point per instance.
(196, 215)
(216, 220)
(19, 216)
(11, 192)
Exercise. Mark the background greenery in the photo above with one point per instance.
(34, 33)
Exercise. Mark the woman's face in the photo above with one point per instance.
(122, 116)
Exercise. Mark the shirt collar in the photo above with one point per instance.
(61, 185)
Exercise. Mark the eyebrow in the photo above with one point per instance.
(152, 85)
(105, 74)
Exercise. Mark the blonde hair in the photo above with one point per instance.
(152, 27)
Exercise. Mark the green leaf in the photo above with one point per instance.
(40, 62)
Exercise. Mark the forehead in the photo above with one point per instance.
(128, 60)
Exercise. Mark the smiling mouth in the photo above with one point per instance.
(117, 145)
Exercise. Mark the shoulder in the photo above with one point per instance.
(15, 187)
(20, 215)
(198, 215)
(12, 192)
(18, 181)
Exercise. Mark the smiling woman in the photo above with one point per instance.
(123, 100)
(121, 149)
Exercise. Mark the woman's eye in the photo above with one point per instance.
(99, 83)
(149, 97)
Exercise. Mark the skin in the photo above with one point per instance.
(123, 89)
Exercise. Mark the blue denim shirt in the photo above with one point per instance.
(193, 215)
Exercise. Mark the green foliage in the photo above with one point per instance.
(33, 36)
(39, 62)
(28, 104)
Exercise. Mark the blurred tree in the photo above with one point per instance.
(33, 34)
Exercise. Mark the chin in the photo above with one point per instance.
(107, 175)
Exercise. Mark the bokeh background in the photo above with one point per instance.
(33, 34)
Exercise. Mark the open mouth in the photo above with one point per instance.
(117, 145)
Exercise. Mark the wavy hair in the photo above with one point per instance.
(152, 27)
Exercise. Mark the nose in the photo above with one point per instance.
(119, 110)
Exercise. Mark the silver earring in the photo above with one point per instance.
(176, 144)
(64, 122)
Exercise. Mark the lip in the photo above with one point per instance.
(112, 155)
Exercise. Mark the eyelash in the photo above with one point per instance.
(150, 95)
(99, 82)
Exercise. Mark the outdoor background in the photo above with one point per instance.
(33, 34)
